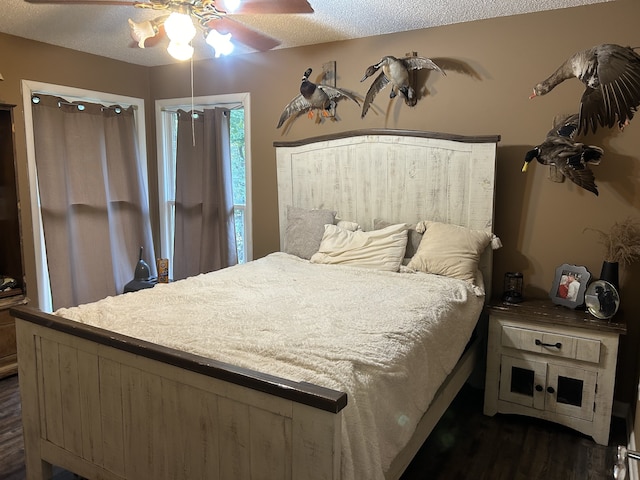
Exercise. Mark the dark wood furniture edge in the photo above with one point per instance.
(300, 392)
(545, 311)
(388, 131)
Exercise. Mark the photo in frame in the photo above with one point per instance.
(569, 285)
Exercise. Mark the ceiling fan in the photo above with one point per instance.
(179, 20)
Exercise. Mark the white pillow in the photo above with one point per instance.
(347, 225)
(378, 249)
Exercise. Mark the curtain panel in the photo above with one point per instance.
(205, 238)
(94, 204)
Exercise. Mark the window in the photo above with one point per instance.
(71, 94)
(166, 121)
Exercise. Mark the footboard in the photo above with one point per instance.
(107, 406)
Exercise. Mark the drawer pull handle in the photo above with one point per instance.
(553, 345)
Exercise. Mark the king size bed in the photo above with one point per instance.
(331, 359)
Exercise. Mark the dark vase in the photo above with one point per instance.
(610, 273)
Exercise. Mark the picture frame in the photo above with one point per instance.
(564, 290)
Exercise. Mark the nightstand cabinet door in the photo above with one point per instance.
(573, 391)
(523, 381)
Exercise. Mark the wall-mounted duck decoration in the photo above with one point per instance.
(322, 98)
(572, 159)
(611, 74)
(396, 72)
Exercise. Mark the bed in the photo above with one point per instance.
(125, 388)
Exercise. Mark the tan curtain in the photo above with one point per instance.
(95, 211)
(204, 220)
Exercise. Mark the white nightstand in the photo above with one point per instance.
(553, 363)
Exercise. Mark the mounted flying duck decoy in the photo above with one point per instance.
(571, 158)
(396, 72)
(322, 98)
(611, 74)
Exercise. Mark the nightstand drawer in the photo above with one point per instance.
(559, 345)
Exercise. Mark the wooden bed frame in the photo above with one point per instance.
(106, 406)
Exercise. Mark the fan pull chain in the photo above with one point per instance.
(193, 128)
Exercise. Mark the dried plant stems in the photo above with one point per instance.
(621, 242)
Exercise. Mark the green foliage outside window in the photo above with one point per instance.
(238, 174)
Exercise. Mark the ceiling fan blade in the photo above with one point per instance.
(240, 33)
(246, 6)
(83, 2)
(271, 6)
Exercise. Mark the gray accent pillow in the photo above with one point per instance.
(304, 230)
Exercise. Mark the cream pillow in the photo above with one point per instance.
(378, 249)
(450, 250)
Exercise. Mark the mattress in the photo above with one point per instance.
(387, 339)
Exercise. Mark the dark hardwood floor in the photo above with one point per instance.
(465, 445)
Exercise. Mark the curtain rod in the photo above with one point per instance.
(79, 102)
(174, 109)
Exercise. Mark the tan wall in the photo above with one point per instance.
(28, 60)
(491, 67)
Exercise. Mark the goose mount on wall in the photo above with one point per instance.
(215, 18)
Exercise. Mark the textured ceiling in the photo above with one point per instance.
(103, 30)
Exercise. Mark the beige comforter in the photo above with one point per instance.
(387, 339)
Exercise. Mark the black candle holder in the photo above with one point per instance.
(513, 282)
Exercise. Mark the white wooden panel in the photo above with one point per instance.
(70, 399)
(54, 431)
(111, 416)
(270, 445)
(33, 423)
(138, 402)
(397, 178)
(197, 423)
(316, 436)
(150, 420)
(88, 383)
(409, 179)
(234, 429)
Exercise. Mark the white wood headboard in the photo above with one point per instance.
(395, 175)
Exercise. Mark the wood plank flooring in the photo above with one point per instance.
(466, 445)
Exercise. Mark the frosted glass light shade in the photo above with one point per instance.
(230, 6)
(220, 43)
(180, 28)
(180, 51)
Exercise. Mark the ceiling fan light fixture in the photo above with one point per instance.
(143, 30)
(220, 43)
(179, 50)
(180, 28)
